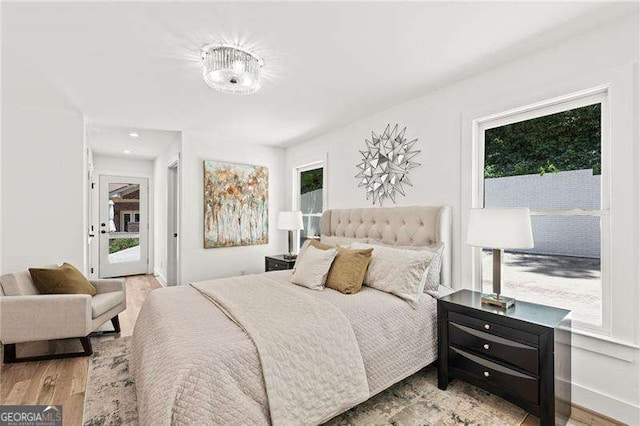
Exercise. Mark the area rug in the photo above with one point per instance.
(111, 399)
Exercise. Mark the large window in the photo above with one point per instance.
(310, 198)
(550, 159)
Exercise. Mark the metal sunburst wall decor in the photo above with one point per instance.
(386, 163)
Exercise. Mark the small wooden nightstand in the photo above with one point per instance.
(278, 263)
(522, 355)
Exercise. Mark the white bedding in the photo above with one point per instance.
(307, 380)
(193, 365)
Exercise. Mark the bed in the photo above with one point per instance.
(196, 362)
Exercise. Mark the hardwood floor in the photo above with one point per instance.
(62, 382)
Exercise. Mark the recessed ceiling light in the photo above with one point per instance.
(126, 151)
(134, 135)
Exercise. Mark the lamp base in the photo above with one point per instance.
(498, 300)
(290, 256)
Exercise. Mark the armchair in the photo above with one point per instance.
(28, 316)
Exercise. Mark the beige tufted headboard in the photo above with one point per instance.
(400, 226)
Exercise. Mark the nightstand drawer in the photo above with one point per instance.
(495, 329)
(518, 384)
(277, 266)
(516, 354)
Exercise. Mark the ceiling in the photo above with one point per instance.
(136, 65)
(114, 141)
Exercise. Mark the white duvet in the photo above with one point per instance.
(193, 365)
(307, 380)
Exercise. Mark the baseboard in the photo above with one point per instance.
(605, 405)
(162, 280)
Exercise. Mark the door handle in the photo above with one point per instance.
(175, 235)
(103, 232)
(92, 235)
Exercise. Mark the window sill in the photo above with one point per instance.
(604, 345)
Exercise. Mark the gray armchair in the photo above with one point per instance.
(28, 316)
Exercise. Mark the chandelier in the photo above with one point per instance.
(231, 69)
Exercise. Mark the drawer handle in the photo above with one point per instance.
(486, 374)
(486, 346)
(487, 326)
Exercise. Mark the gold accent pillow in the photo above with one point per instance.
(65, 279)
(348, 269)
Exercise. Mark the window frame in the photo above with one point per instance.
(601, 95)
(297, 171)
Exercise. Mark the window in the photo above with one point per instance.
(310, 198)
(550, 159)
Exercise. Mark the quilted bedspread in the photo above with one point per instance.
(310, 358)
(194, 365)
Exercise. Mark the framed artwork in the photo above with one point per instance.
(236, 211)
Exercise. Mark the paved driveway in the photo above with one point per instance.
(565, 282)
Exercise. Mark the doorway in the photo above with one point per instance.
(172, 224)
(123, 226)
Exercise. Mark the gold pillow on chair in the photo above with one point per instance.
(65, 279)
(348, 269)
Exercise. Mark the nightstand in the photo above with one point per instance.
(522, 355)
(278, 263)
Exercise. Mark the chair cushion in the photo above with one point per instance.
(64, 279)
(18, 284)
(101, 303)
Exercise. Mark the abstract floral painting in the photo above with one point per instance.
(236, 209)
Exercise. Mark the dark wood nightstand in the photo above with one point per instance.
(278, 263)
(522, 355)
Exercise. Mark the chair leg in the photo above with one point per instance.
(116, 324)
(86, 345)
(116, 329)
(10, 353)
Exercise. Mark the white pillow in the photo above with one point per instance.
(435, 265)
(304, 247)
(432, 279)
(313, 268)
(397, 271)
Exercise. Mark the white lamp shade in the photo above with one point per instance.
(290, 221)
(500, 228)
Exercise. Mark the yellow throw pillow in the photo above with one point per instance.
(64, 279)
(348, 270)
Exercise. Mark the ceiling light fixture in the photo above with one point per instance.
(231, 69)
(134, 135)
(126, 151)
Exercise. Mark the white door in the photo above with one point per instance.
(172, 225)
(123, 227)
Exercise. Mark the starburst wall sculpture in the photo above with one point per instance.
(385, 164)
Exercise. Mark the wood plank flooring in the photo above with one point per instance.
(63, 382)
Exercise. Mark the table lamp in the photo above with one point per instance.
(499, 229)
(290, 221)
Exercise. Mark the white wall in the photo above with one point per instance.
(42, 187)
(200, 264)
(605, 373)
(42, 170)
(160, 170)
(107, 164)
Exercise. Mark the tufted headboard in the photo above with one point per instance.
(401, 226)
